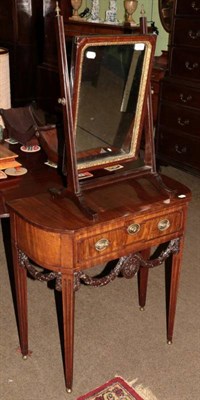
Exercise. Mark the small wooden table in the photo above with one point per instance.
(133, 216)
(38, 179)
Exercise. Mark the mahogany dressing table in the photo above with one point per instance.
(122, 207)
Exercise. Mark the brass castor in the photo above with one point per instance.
(169, 342)
(25, 357)
(142, 308)
(68, 390)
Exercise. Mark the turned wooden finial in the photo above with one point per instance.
(142, 12)
(57, 9)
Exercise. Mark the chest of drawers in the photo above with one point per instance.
(178, 126)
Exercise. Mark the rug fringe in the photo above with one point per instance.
(143, 391)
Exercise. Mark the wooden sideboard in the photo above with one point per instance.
(178, 132)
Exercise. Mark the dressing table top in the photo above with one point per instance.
(131, 217)
(120, 200)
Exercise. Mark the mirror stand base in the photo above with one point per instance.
(78, 199)
(162, 187)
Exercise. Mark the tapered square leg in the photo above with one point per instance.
(20, 275)
(173, 290)
(68, 300)
(143, 280)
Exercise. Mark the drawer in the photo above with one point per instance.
(190, 7)
(187, 32)
(179, 147)
(185, 63)
(94, 247)
(180, 118)
(152, 228)
(181, 94)
(134, 231)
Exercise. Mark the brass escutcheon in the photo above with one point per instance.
(163, 224)
(62, 101)
(102, 244)
(133, 228)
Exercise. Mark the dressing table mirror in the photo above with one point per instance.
(106, 104)
(110, 84)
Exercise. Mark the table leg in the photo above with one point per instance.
(173, 290)
(20, 275)
(68, 299)
(143, 280)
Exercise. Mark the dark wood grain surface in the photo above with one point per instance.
(38, 179)
(177, 137)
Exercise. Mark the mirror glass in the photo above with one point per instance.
(109, 92)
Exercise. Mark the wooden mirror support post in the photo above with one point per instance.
(73, 187)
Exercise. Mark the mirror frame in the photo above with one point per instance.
(74, 188)
(81, 44)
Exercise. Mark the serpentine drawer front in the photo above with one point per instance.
(133, 231)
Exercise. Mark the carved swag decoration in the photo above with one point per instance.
(127, 266)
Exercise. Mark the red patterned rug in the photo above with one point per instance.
(116, 389)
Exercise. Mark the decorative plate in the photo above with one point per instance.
(30, 149)
(16, 171)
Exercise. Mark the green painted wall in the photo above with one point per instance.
(152, 13)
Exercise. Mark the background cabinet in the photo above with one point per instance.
(20, 32)
(47, 73)
(28, 32)
(178, 126)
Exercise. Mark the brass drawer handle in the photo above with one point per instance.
(163, 224)
(133, 228)
(195, 6)
(185, 99)
(194, 35)
(102, 244)
(183, 122)
(62, 101)
(190, 66)
(180, 149)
